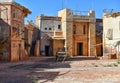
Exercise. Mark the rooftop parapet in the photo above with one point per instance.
(12, 2)
(80, 13)
(84, 16)
(6, 1)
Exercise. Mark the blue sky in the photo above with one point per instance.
(51, 7)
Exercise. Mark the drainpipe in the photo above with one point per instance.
(10, 55)
(89, 41)
(54, 33)
(40, 31)
(10, 58)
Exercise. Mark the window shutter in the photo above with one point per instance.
(109, 34)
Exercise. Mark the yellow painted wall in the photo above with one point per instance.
(57, 44)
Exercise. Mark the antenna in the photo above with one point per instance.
(108, 11)
(66, 3)
(63, 4)
(76, 11)
(92, 6)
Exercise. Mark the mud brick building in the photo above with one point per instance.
(12, 16)
(51, 34)
(71, 32)
(32, 39)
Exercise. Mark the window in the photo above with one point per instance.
(45, 28)
(59, 27)
(18, 29)
(74, 29)
(13, 14)
(0, 29)
(109, 34)
(0, 12)
(50, 29)
(84, 31)
(119, 25)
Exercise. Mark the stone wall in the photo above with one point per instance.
(32, 35)
(80, 37)
(4, 31)
(48, 27)
(92, 34)
(13, 15)
(17, 33)
(17, 50)
(67, 27)
(57, 46)
(99, 35)
(4, 40)
(111, 28)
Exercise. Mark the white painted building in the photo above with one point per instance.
(57, 33)
(111, 33)
(48, 25)
(6, 0)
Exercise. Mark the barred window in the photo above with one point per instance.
(84, 31)
(50, 29)
(14, 14)
(109, 34)
(45, 28)
(0, 29)
(59, 27)
(74, 29)
(0, 12)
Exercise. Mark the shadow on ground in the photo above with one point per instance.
(35, 71)
(27, 72)
(43, 76)
(47, 63)
(50, 63)
(15, 79)
(79, 58)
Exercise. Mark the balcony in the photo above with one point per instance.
(81, 18)
(58, 35)
(80, 13)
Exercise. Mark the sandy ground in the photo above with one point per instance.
(47, 70)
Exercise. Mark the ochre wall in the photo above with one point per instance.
(99, 46)
(17, 50)
(57, 44)
(80, 37)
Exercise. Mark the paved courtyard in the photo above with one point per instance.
(47, 70)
